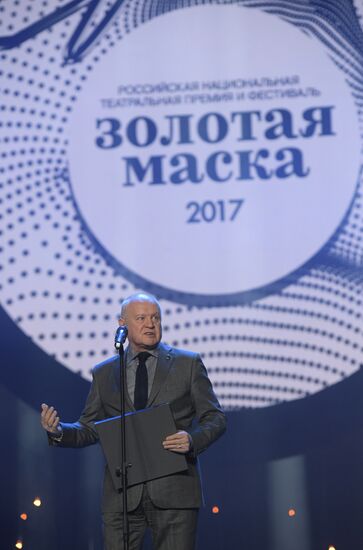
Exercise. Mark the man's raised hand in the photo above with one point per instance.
(49, 420)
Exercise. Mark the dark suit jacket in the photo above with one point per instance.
(180, 380)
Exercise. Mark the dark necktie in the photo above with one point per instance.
(141, 382)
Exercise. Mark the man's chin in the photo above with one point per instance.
(152, 344)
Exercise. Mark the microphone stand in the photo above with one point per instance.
(122, 471)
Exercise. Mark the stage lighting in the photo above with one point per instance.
(18, 544)
(215, 510)
(292, 512)
(24, 516)
(37, 502)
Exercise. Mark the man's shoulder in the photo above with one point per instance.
(106, 364)
(177, 352)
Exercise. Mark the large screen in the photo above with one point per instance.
(206, 152)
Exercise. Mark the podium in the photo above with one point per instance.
(145, 431)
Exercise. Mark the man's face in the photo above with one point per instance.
(144, 325)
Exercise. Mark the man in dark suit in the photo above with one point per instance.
(155, 374)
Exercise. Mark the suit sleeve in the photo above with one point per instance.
(82, 432)
(211, 420)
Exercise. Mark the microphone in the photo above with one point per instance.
(120, 336)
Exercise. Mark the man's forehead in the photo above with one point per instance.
(140, 306)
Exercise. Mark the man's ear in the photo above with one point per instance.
(121, 321)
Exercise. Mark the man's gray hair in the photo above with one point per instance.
(139, 297)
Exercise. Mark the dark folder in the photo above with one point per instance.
(145, 432)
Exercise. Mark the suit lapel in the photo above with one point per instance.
(116, 378)
(163, 365)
